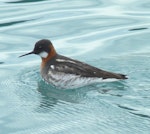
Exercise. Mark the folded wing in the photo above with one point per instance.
(71, 66)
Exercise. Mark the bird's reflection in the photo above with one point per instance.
(52, 96)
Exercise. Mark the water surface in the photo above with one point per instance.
(110, 35)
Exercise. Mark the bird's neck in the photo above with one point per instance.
(49, 57)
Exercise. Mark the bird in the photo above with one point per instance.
(66, 73)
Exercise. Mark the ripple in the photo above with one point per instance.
(1, 62)
(13, 23)
(141, 115)
(134, 29)
(24, 1)
(111, 35)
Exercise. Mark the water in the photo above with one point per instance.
(112, 35)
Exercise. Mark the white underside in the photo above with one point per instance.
(70, 81)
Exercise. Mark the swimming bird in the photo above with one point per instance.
(64, 72)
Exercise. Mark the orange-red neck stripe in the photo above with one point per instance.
(49, 57)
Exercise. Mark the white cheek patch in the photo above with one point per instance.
(43, 54)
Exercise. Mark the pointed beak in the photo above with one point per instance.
(27, 54)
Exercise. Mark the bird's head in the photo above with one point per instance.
(43, 48)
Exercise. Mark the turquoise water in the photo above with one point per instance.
(112, 35)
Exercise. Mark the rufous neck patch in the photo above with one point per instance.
(51, 54)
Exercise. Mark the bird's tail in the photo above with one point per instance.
(122, 76)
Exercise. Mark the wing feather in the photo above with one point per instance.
(70, 66)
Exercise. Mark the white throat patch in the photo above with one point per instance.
(43, 54)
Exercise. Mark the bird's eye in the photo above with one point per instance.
(40, 47)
